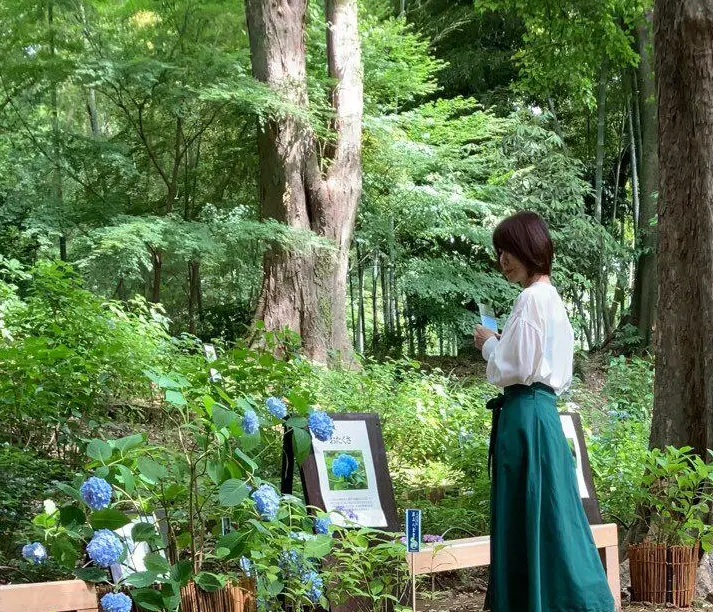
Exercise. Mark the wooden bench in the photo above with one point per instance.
(62, 596)
(475, 552)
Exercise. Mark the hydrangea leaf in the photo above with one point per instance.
(233, 492)
(108, 519)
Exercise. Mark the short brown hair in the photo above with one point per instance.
(525, 235)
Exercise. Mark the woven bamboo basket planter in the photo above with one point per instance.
(233, 598)
(663, 574)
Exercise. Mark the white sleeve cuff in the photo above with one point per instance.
(489, 347)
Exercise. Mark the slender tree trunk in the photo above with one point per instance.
(194, 284)
(620, 157)
(91, 94)
(355, 327)
(683, 410)
(586, 328)
(645, 284)
(385, 299)
(361, 314)
(394, 293)
(303, 291)
(56, 144)
(409, 326)
(421, 335)
(634, 174)
(156, 286)
(601, 130)
(375, 338)
(601, 280)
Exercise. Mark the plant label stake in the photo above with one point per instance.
(413, 545)
(212, 356)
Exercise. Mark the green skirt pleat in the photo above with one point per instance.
(543, 556)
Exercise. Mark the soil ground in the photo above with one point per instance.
(464, 591)
(453, 601)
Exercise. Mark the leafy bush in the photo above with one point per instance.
(66, 355)
(619, 449)
(436, 432)
(26, 480)
(221, 520)
(675, 497)
(630, 387)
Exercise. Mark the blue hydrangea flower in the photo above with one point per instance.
(96, 493)
(321, 425)
(251, 424)
(301, 536)
(314, 580)
(246, 565)
(321, 525)
(276, 407)
(344, 466)
(116, 602)
(267, 502)
(105, 548)
(291, 563)
(35, 552)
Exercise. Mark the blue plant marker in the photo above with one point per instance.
(413, 531)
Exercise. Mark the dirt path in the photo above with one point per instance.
(453, 601)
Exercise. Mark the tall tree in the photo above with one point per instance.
(302, 184)
(683, 410)
(645, 294)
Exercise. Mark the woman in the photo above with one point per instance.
(543, 557)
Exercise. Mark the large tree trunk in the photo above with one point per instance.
(307, 291)
(645, 290)
(683, 411)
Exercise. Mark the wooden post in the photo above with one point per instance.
(611, 555)
(61, 596)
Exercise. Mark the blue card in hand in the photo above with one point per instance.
(487, 318)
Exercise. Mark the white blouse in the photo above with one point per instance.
(537, 343)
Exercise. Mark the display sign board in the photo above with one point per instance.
(572, 427)
(348, 475)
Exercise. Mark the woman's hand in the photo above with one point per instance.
(481, 335)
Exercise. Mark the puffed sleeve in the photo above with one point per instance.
(516, 357)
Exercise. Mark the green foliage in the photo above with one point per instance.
(67, 355)
(619, 447)
(630, 387)
(201, 483)
(26, 480)
(675, 497)
(566, 41)
(436, 432)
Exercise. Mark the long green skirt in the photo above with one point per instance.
(543, 556)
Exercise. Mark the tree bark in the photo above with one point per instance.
(683, 410)
(157, 270)
(361, 313)
(601, 130)
(56, 144)
(194, 294)
(645, 288)
(307, 291)
(635, 203)
(375, 339)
